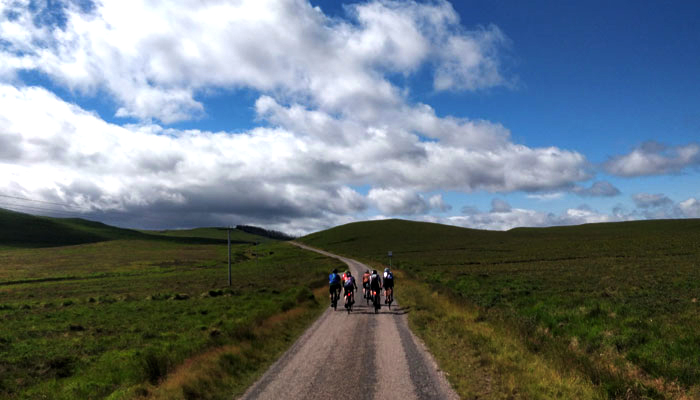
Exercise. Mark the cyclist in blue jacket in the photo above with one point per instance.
(334, 284)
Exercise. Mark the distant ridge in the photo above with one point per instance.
(29, 231)
(254, 230)
(24, 230)
(373, 239)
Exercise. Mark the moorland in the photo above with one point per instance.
(593, 311)
(93, 311)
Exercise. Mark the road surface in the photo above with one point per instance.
(361, 355)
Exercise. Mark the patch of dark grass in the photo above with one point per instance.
(155, 365)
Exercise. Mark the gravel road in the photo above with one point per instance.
(361, 355)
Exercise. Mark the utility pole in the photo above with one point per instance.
(228, 231)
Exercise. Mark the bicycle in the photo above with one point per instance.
(389, 293)
(375, 300)
(349, 301)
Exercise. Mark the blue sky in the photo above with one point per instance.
(299, 116)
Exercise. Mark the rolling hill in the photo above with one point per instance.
(28, 231)
(24, 230)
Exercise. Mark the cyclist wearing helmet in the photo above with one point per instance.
(349, 285)
(334, 284)
(375, 282)
(365, 282)
(388, 283)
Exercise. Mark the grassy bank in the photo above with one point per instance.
(613, 306)
(116, 319)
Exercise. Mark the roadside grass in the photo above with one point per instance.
(615, 305)
(482, 360)
(229, 370)
(115, 319)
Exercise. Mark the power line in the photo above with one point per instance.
(109, 217)
(69, 211)
(34, 200)
(23, 207)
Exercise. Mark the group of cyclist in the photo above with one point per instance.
(372, 282)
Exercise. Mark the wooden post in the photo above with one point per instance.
(229, 255)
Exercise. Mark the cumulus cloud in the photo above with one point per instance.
(598, 189)
(660, 206)
(653, 158)
(438, 203)
(462, 68)
(646, 200)
(500, 206)
(155, 57)
(73, 157)
(690, 208)
(405, 202)
(330, 118)
(504, 217)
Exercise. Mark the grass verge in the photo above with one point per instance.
(228, 370)
(483, 361)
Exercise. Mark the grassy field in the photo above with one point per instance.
(612, 307)
(145, 317)
(211, 233)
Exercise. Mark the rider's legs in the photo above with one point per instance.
(334, 292)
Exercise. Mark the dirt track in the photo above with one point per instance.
(361, 355)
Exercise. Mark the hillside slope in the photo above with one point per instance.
(24, 230)
(18, 230)
(418, 242)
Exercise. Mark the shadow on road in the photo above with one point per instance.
(362, 309)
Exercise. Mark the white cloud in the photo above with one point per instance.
(398, 201)
(471, 61)
(653, 158)
(155, 57)
(331, 118)
(500, 206)
(64, 154)
(437, 203)
(646, 200)
(690, 208)
(546, 196)
(598, 189)
(503, 217)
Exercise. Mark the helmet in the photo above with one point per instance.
(386, 269)
(335, 270)
(348, 273)
(374, 271)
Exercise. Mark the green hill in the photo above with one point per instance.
(612, 305)
(18, 230)
(24, 230)
(237, 235)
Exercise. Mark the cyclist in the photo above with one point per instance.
(375, 282)
(388, 285)
(349, 285)
(365, 283)
(334, 284)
